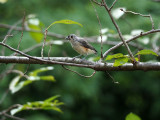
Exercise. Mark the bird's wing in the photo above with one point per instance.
(86, 44)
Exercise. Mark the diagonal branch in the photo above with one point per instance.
(112, 5)
(31, 30)
(134, 38)
(118, 30)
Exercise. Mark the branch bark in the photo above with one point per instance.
(145, 66)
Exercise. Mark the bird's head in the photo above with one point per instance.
(71, 37)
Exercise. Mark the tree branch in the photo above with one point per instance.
(145, 66)
(31, 30)
(118, 30)
(137, 36)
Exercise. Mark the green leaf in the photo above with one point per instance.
(16, 110)
(146, 52)
(52, 98)
(35, 72)
(16, 84)
(132, 116)
(48, 104)
(118, 55)
(120, 61)
(35, 24)
(136, 59)
(65, 22)
(48, 78)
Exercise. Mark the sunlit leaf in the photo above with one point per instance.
(126, 37)
(16, 84)
(65, 22)
(57, 42)
(146, 52)
(48, 104)
(16, 110)
(3, 1)
(35, 24)
(35, 72)
(144, 40)
(136, 59)
(105, 30)
(136, 32)
(104, 38)
(48, 78)
(120, 61)
(117, 13)
(118, 55)
(52, 98)
(132, 116)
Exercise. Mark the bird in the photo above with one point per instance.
(81, 46)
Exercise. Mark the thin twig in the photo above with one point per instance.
(4, 96)
(31, 30)
(6, 37)
(49, 51)
(26, 69)
(79, 73)
(100, 32)
(10, 108)
(23, 20)
(116, 82)
(112, 5)
(118, 30)
(150, 17)
(4, 112)
(12, 117)
(100, 4)
(11, 28)
(134, 38)
(18, 72)
(45, 37)
(6, 71)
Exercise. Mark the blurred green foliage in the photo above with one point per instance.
(95, 98)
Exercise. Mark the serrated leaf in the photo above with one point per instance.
(118, 55)
(120, 61)
(146, 52)
(132, 116)
(48, 104)
(65, 22)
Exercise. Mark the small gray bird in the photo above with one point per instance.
(81, 46)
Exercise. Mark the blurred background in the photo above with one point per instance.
(95, 98)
